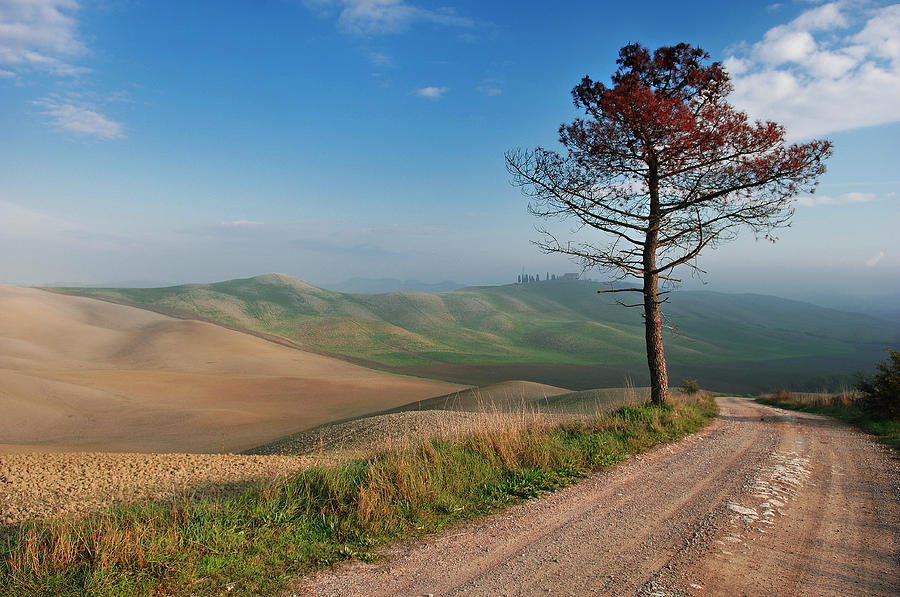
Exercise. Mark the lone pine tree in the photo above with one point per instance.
(662, 166)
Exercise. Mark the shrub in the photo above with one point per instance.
(882, 390)
(783, 394)
(689, 386)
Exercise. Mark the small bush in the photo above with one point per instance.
(881, 391)
(689, 386)
(783, 395)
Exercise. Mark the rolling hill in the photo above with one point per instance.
(560, 333)
(82, 374)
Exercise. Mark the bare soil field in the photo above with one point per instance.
(453, 415)
(78, 374)
(361, 437)
(762, 502)
(39, 485)
(506, 396)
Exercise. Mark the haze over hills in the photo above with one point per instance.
(82, 374)
(384, 285)
(559, 332)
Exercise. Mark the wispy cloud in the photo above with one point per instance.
(40, 35)
(380, 58)
(405, 230)
(814, 200)
(874, 259)
(490, 87)
(432, 93)
(379, 17)
(20, 224)
(81, 121)
(835, 67)
(240, 224)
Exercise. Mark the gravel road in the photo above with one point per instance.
(762, 502)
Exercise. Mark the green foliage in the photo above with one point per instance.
(882, 390)
(253, 543)
(689, 386)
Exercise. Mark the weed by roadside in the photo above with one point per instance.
(851, 406)
(253, 543)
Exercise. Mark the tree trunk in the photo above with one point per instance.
(656, 358)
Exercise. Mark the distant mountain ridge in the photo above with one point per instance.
(556, 323)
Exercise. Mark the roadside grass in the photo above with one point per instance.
(843, 405)
(255, 542)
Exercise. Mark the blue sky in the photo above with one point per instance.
(327, 139)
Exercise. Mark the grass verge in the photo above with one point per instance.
(253, 543)
(844, 406)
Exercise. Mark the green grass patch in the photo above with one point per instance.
(255, 542)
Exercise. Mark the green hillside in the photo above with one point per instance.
(558, 323)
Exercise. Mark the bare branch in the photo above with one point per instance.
(621, 290)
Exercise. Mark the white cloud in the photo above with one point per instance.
(881, 35)
(814, 200)
(828, 70)
(433, 93)
(490, 87)
(374, 17)
(82, 121)
(240, 224)
(380, 59)
(874, 259)
(822, 18)
(40, 34)
(780, 46)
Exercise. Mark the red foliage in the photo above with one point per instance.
(663, 149)
(665, 166)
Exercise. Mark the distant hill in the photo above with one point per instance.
(384, 285)
(456, 413)
(560, 332)
(79, 374)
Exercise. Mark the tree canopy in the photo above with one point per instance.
(663, 166)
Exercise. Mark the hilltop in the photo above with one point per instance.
(81, 374)
(560, 333)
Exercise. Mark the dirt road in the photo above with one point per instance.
(763, 502)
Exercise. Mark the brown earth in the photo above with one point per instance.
(78, 374)
(367, 435)
(763, 502)
(47, 485)
(511, 395)
(364, 436)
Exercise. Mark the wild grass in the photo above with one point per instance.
(847, 405)
(253, 543)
